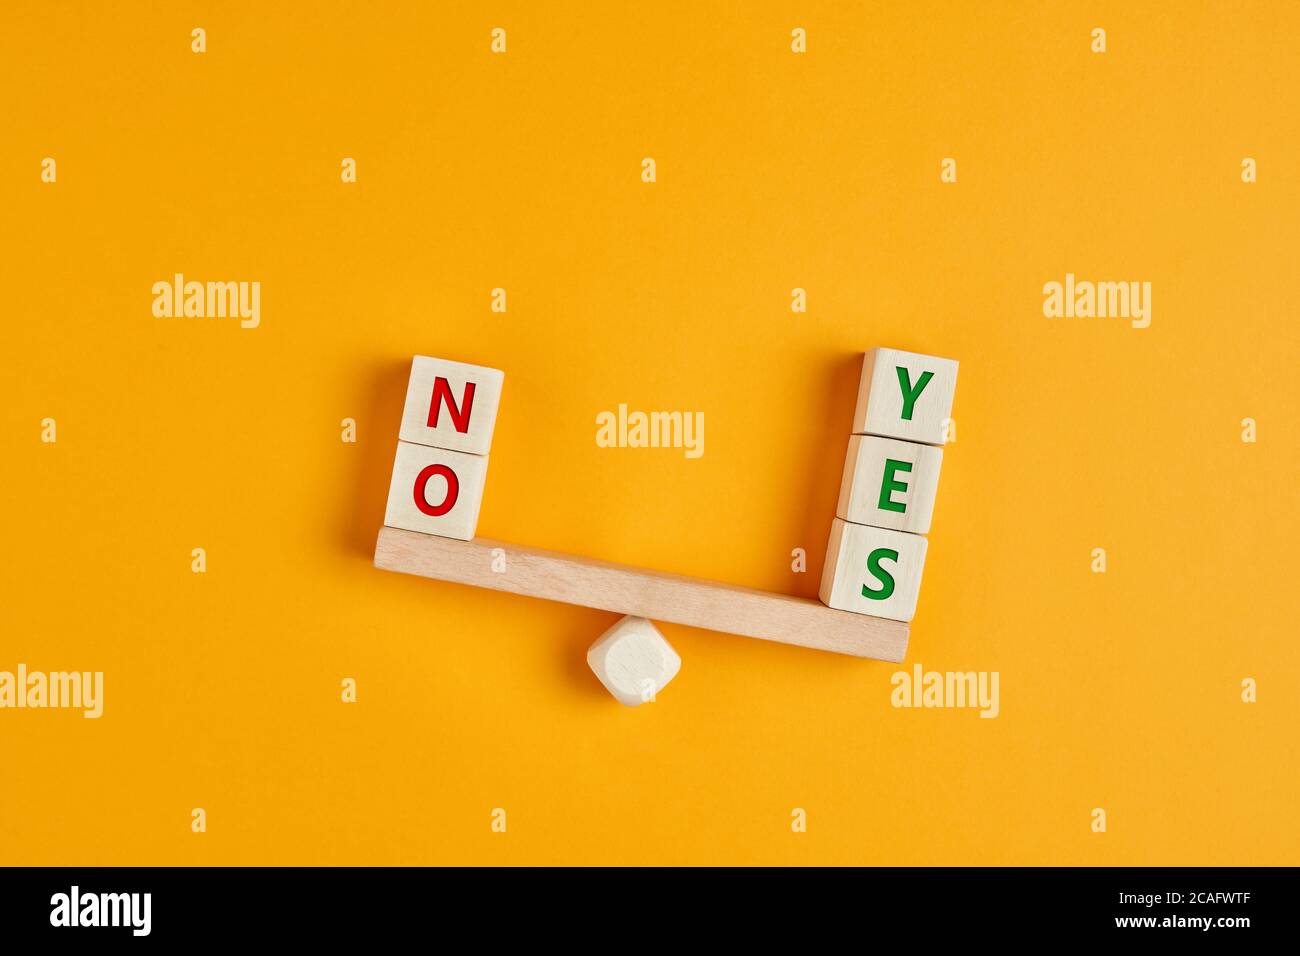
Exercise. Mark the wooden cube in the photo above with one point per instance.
(451, 405)
(905, 395)
(889, 483)
(633, 661)
(873, 571)
(436, 491)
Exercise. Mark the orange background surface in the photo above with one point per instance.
(522, 170)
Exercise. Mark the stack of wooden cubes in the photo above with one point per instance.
(891, 473)
(442, 453)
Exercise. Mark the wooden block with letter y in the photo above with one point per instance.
(905, 395)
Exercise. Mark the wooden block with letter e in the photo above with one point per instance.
(889, 483)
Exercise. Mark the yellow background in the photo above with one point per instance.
(775, 171)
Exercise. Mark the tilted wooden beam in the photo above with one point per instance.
(623, 589)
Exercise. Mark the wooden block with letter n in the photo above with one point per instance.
(451, 405)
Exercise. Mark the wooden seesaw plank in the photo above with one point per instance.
(650, 594)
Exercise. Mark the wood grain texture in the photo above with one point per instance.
(658, 596)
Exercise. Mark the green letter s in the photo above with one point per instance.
(880, 574)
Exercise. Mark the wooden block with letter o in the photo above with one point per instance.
(905, 395)
(436, 491)
(872, 570)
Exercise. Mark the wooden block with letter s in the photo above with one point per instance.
(874, 571)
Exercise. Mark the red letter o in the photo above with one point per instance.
(453, 490)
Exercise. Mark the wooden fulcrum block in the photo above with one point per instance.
(633, 660)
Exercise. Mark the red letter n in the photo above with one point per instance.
(459, 416)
